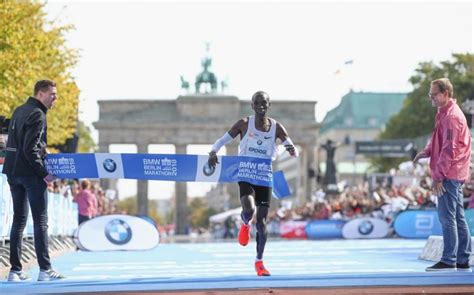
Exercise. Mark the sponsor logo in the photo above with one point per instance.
(424, 222)
(257, 151)
(366, 227)
(259, 142)
(118, 232)
(208, 170)
(109, 165)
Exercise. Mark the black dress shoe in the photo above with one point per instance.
(464, 267)
(441, 266)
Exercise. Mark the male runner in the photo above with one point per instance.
(258, 136)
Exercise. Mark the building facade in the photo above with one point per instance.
(360, 116)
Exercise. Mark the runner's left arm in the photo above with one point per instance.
(282, 134)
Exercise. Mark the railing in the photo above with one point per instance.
(62, 214)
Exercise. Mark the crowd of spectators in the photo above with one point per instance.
(384, 197)
(105, 205)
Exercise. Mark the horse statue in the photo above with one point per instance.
(206, 77)
(224, 85)
(184, 84)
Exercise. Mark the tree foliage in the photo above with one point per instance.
(416, 118)
(200, 213)
(129, 206)
(86, 142)
(33, 48)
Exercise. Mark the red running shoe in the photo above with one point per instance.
(244, 234)
(261, 270)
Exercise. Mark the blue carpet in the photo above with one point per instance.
(207, 266)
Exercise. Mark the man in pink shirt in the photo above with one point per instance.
(86, 201)
(450, 155)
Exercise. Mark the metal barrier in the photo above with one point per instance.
(62, 214)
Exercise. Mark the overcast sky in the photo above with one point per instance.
(291, 50)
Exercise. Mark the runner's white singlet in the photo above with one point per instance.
(259, 144)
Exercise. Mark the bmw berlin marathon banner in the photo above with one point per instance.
(169, 167)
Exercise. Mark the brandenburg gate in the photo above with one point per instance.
(198, 118)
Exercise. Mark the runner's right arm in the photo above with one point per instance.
(237, 129)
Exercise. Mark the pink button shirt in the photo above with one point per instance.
(450, 146)
(87, 203)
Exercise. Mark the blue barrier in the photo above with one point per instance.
(470, 220)
(417, 224)
(324, 229)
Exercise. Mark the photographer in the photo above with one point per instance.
(2, 148)
(3, 137)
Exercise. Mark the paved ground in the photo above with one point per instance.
(302, 265)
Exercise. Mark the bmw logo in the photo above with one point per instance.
(110, 165)
(118, 232)
(366, 227)
(208, 170)
(259, 142)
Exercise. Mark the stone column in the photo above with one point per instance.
(309, 164)
(142, 185)
(181, 199)
(303, 174)
(233, 188)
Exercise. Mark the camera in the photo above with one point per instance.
(4, 122)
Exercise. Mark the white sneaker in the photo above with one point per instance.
(18, 276)
(50, 275)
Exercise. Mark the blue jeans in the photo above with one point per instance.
(456, 236)
(30, 189)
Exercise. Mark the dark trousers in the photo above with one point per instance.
(82, 218)
(30, 189)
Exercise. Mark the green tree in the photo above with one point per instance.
(129, 206)
(416, 118)
(200, 213)
(33, 48)
(86, 142)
